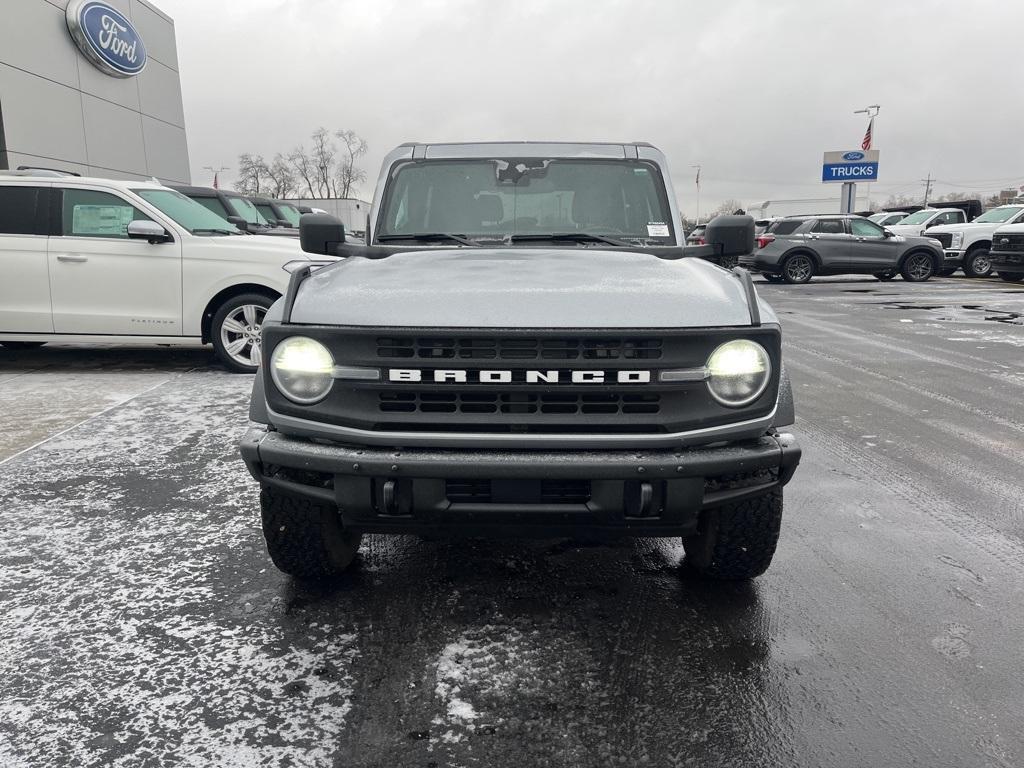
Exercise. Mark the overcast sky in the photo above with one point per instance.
(753, 91)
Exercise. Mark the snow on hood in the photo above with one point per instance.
(524, 288)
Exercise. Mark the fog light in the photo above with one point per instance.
(301, 368)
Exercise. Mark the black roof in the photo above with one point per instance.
(191, 191)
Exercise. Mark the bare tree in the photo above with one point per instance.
(727, 206)
(252, 174)
(350, 175)
(304, 167)
(323, 155)
(281, 177)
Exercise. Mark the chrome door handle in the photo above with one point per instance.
(69, 257)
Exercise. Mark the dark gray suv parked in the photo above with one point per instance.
(796, 249)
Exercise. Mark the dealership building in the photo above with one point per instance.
(91, 87)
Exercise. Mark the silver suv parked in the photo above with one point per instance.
(797, 248)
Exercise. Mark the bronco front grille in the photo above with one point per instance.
(1013, 242)
(518, 348)
(519, 402)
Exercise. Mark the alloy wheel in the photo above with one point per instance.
(919, 266)
(799, 269)
(241, 333)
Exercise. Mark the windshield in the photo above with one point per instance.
(997, 215)
(920, 217)
(247, 211)
(496, 198)
(186, 211)
(290, 212)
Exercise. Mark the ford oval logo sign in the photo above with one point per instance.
(106, 38)
(853, 156)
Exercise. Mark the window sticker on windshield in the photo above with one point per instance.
(101, 220)
(657, 229)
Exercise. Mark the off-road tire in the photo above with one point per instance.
(918, 267)
(306, 539)
(970, 266)
(1010, 277)
(798, 268)
(737, 541)
(885, 276)
(21, 345)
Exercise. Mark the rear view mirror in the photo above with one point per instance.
(321, 233)
(888, 233)
(730, 235)
(147, 230)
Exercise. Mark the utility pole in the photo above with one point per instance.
(927, 188)
(698, 191)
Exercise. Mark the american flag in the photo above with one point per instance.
(866, 144)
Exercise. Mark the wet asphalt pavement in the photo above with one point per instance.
(142, 624)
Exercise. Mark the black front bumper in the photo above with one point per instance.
(1007, 262)
(650, 493)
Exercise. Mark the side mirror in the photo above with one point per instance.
(147, 230)
(239, 222)
(730, 235)
(887, 233)
(321, 233)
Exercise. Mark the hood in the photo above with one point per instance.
(524, 288)
(965, 227)
(908, 229)
(256, 245)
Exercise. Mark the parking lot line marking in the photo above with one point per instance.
(77, 424)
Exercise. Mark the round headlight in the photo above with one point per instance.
(301, 368)
(738, 372)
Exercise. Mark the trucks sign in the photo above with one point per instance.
(850, 166)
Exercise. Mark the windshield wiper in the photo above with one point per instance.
(578, 237)
(214, 231)
(425, 236)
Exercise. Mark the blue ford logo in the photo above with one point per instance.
(106, 38)
(853, 156)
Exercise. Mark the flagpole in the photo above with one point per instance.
(871, 111)
(698, 193)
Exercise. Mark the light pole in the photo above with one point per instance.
(215, 171)
(697, 182)
(871, 111)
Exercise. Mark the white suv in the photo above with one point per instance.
(101, 260)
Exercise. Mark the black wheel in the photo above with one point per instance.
(237, 329)
(798, 268)
(16, 345)
(1015, 277)
(773, 278)
(977, 263)
(918, 267)
(305, 538)
(736, 541)
(885, 276)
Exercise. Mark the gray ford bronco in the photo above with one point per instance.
(523, 346)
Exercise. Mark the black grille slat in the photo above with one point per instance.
(1014, 242)
(946, 238)
(525, 348)
(518, 402)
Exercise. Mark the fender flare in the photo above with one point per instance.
(785, 409)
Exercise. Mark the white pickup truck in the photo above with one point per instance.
(967, 245)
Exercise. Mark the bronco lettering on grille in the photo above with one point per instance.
(458, 376)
